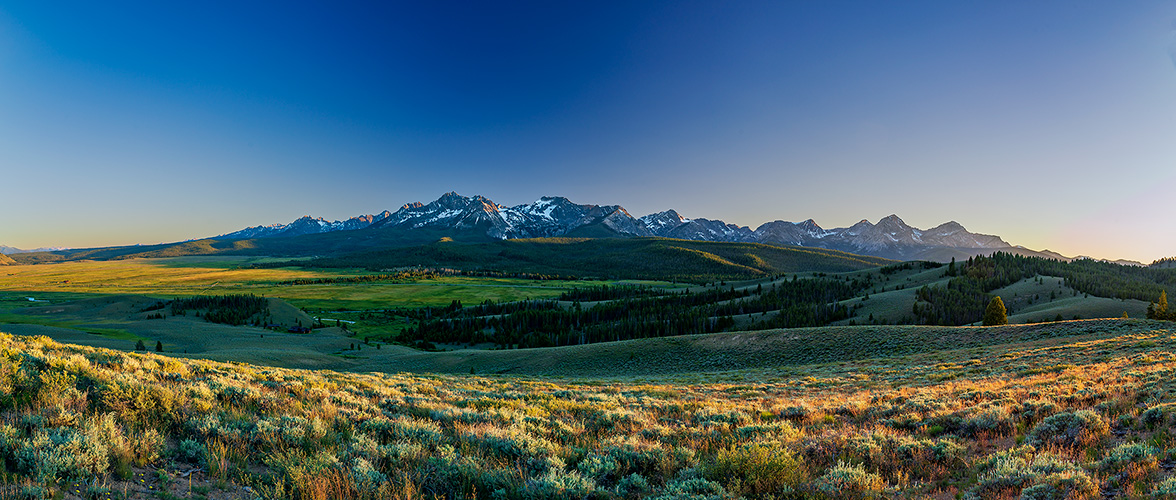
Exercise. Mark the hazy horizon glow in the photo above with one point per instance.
(1049, 124)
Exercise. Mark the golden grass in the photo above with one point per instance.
(984, 421)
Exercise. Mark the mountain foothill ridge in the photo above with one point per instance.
(556, 216)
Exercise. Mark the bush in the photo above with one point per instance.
(990, 421)
(1155, 416)
(191, 451)
(600, 468)
(1130, 461)
(556, 484)
(695, 488)
(1073, 430)
(62, 453)
(849, 481)
(1166, 489)
(632, 485)
(756, 469)
(1031, 474)
(33, 492)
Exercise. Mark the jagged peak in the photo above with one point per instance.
(546, 200)
(616, 209)
(952, 225)
(809, 224)
(671, 213)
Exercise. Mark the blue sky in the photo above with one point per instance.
(1048, 123)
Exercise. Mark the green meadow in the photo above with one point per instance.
(188, 276)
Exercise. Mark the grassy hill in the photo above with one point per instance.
(1079, 410)
(637, 258)
(753, 350)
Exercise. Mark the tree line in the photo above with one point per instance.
(544, 323)
(233, 310)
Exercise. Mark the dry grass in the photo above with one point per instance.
(1071, 416)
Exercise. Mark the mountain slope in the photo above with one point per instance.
(629, 258)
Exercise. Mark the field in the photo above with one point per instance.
(76, 304)
(100, 303)
(187, 276)
(1072, 410)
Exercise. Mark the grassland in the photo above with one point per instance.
(1076, 410)
(82, 297)
(187, 276)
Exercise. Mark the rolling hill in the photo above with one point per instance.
(635, 258)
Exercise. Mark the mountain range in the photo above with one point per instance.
(559, 217)
(7, 250)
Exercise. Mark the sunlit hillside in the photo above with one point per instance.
(1080, 413)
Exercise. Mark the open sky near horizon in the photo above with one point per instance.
(1049, 123)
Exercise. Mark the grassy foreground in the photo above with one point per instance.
(1079, 415)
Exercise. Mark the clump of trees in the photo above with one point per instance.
(233, 310)
(1159, 308)
(605, 292)
(633, 313)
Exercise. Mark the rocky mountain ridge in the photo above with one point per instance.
(557, 216)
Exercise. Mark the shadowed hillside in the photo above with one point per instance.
(638, 258)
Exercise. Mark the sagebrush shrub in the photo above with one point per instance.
(849, 481)
(1025, 471)
(695, 488)
(1074, 430)
(1130, 461)
(757, 468)
(1156, 416)
(191, 451)
(1166, 489)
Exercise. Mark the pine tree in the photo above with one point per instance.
(139, 346)
(158, 346)
(1159, 308)
(995, 313)
(1162, 306)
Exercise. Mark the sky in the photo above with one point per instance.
(1049, 123)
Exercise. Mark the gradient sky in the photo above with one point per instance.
(1049, 123)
